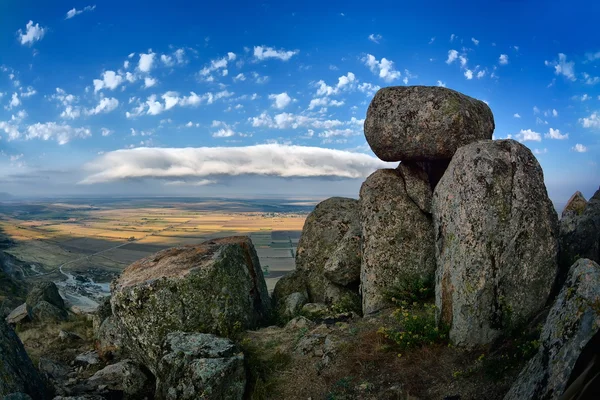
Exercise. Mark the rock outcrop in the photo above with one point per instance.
(45, 291)
(422, 123)
(214, 287)
(398, 239)
(580, 230)
(200, 366)
(572, 322)
(496, 241)
(17, 373)
(125, 378)
(328, 255)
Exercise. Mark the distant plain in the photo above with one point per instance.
(98, 238)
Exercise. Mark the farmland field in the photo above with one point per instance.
(95, 239)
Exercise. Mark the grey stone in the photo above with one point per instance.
(292, 305)
(88, 358)
(580, 231)
(315, 310)
(572, 322)
(421, 123)
(45, 291)
(46, 312)
(293, 282)
(398, 239)
(17, 373)
(200, 366)
(299, 323)
(214, 287)
(343, 267)
(19, 315)
(125, 377)
(323, 232)
(52, 369)
(110, 338)
(69, 336)
(496, 241)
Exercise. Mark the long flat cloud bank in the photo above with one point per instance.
(176, 164)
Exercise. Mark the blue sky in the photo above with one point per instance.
(154, 98)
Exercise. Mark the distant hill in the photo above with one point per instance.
(6, 196)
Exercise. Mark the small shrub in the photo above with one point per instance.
(415, 289)
(416, 327)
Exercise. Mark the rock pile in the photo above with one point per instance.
(43, 304)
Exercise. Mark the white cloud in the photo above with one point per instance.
(579, 148)
(105, 105)
(217, 64)
(167, 60)
(10, 129)
(281, 100)
(375, 38)
(555, 134)
(463, 61)
(536, 110)
(480, 74)
(344, 82)
(441, 84)
(126, 64)
(562, 67)
(180, 56)
(431, 40)
(526, 135)
(106, 132)
(73, 12)
(384, 68)
(475, 41)
(70, 112)
(154, 107)
(593, 121)
(503, 59)
(538, 151)
(239, 77)
(324, 102)
(329, 133)
(517, 115)
(452, 56)
(224, 132)
(146, 61)
(176, 164)
(14, 102)
(53, 131)
(33, 33)
(452, 37)
(110, 80)
(149, 82)
(293, 121)
(586, 97)
(540, 121)
(368, 88)
(469, 74)
(263, 53)
(554, 113)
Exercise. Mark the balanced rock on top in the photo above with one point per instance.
(422, 123)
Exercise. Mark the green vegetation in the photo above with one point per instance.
(415, 289)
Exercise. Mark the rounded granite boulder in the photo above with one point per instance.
(215, 287)
(421, 123)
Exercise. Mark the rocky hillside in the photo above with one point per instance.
(451, 277)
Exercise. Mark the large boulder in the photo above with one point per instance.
(496, 241)
(214, 287)
(200, 366)
(580, 230)
(397, 231)
(17, 373)
(46, 312)
(45, 291)
(19, 315)
(330, 235)
(110, 338)
(127, 378)
(420, 123)
(572, 322)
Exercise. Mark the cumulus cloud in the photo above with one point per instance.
(62, 133)
(527, 135)
(32, 34)
(105, 105)
(216, 65)
(223, 133)
(593, 121)
(563, 67)
(264, 52)
(579, 148)
(146, 61)
(475, 41)
(469, 74)
(452, 56)
(480, 74)
(15, 101)
(344, 82)
(555, 134)
(149, 82)
(324, 102)
(441, 84)
(503, 59)
(106, 132)
(375, 38)
(517, 115)
(384, 68)
(110, 80)
(176, 164)
(368, 88)
(281, 100)
(73, 12)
